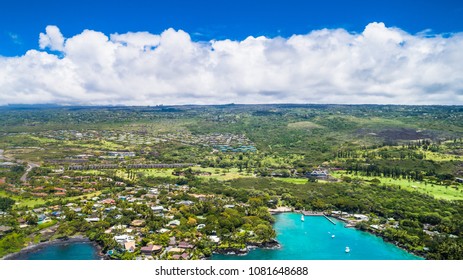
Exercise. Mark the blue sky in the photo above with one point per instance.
(22, 20)
(92, 52)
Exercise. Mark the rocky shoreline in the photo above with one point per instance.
(273, 244)
(35, 247)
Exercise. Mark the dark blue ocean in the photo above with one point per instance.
(62, 251)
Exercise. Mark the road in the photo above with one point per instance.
(30, 165)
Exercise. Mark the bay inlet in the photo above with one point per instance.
(316, 238)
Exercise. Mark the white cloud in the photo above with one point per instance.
(379, 65)
(52, 38)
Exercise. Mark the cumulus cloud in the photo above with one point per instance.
(379, 65)
(52, 39)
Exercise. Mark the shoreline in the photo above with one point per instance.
(270, 245)
(377, 234)
(36, 247)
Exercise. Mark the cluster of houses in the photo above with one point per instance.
(213, 139)
(235, 149)
(128, 235)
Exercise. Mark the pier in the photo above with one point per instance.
(329, 219)
(314, 213)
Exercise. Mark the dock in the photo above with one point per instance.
(314, 213)
(329, 219)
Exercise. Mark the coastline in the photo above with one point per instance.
(280, 210)
(270, 245)
(68, 240)
(379, 234)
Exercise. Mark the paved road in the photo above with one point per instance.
(30, 165)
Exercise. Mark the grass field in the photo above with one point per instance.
(216, 173)
(21, 202)
(33, 202)
(306, 125)
(435, 190)
(298, 181)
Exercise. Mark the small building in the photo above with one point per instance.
(151, 249)
(318, 174)
(186, 202)
(108, 201)
(7, 164)
(173, 223)
(361, 217)
(5, 229)
(185, 245)
(129, 246)
(122, 239)
(176, 250)
(172, 241)
(214, 238)
(157, 209)
(163, 230)
(137, 223)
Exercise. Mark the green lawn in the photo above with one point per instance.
(216, 173)
(435, 190)
(298, 181)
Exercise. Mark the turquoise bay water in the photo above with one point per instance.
(63, 251)
(312, 240)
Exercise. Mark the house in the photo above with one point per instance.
(186, 202)
(163, 230)
(173, 223)
(41, 218)
(7, 164)
(129, 246)
(318, 173)
(5, 229)
(121, 154)
(176, 250)
(172, 241)
(108, 201)
(361, 217)
(137, 223)
(157, 209)
(122, 239)
(183, 256)
(214, 238)
(151, 249)
(185, 245)
(92, 219)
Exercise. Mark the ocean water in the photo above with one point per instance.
(312, 240)
(62, 251)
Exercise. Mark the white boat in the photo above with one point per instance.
(302, 218)
(333, 236)
(347, 249)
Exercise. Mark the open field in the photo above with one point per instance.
(454, 192)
